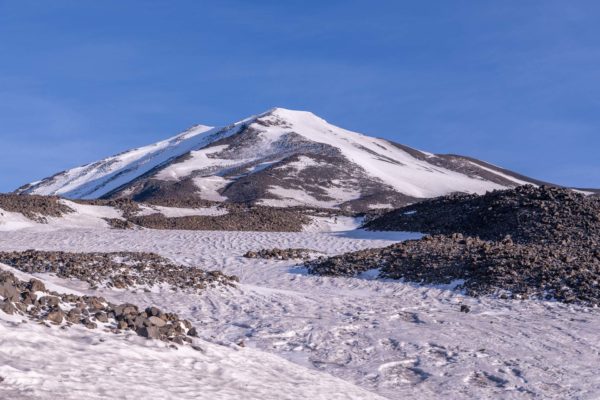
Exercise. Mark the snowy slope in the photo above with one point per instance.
(281, 157)
(93, 180)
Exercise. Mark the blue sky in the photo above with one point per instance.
(516, 83)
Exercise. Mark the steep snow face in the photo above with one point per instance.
(380, 159)
(281, 158)
(96, 179)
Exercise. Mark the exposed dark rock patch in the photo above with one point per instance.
(242, 218)
(36, 302)
(528, 214)
(120, 270)
(159, 192)
(117, 223)
(183, 202)
(281, 254)
(34, 207)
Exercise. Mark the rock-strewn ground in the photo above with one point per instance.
(120, 269)
(486, 267)
(528, 241)
(34, 207)
(35, 301)
(528, 214)
(281, 254)
(236, 217)
(257, 218)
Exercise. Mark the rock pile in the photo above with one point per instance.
(116, 223)
(541, 242)
(486, 267)
(34, 207)
(34, 300)
(239, 218)
(281, 254)
(527, 213)
(119, 270)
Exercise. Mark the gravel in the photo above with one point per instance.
(481, 267)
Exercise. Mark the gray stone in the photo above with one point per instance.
(157, 321)
(8, 307)
(150, 332)
(56, 316)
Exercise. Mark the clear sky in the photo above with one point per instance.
(515, 83)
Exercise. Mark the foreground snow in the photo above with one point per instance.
(41, 362)
(394, 339)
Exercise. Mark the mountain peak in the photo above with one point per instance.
(292, 115)
(281, 157)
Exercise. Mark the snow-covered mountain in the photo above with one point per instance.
(279, 158)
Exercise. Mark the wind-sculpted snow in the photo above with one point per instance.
(395, 339)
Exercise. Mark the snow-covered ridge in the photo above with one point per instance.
(91, 180)
(282, 153)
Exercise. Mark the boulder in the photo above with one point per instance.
(56, 316)
(149, 332)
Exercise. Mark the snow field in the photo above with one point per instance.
(395, 339)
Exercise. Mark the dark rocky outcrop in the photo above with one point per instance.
(486, 267)
(236, 217)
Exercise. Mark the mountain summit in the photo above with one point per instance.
(278, 158)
